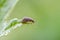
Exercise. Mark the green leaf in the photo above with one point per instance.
(6, 7)
(11, 24)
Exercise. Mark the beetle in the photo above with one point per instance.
(27, 20)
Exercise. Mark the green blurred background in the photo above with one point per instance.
(46, 14)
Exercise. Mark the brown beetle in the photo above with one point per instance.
(27, 20)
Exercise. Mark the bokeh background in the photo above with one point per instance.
(46, 14)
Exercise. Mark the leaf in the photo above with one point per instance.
(11, 23)
(6, 7)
